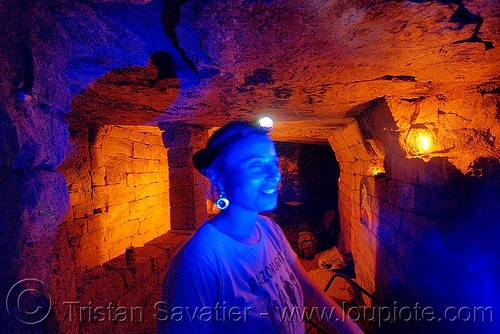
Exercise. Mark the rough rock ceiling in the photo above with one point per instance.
(310, 63)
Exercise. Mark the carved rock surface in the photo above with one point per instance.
(318, 59)
(33, 89)
(33, 203)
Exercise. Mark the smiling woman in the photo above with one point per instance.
(250, 174)
(238, 273)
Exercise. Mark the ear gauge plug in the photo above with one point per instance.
(222, 203)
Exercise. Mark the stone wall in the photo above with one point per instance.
(119, 193)
(378, 212)
(355, 169)
(33, 138)
(418, 223)
(188, 188)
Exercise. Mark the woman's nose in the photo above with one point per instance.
(274, 173)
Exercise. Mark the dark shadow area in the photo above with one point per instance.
(308, 194)
(456, 263)
(164, 63)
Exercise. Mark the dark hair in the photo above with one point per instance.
(220, 141)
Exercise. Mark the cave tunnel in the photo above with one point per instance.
(386, 117)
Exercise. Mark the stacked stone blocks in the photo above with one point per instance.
(382, 250)
(407, 200)
(125, 199)
(188, 188)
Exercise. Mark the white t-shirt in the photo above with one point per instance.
(216, 284)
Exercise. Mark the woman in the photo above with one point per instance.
(238, 273)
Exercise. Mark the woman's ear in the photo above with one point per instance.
(216, 179)
(219, 183)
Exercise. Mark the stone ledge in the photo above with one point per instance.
(151, 252)
(130, 285)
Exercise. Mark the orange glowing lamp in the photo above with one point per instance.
(425, 145)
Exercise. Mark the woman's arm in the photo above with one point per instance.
(315, 297)
(189, 292)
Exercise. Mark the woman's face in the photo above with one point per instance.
(251, 175)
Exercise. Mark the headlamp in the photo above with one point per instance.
(261, 126)
(204, 157)
(265, 124)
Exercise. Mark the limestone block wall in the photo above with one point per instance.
(381, 216)
(134, 288)
(188, 188)
(119, 196)
(420, 226)
(356, 237)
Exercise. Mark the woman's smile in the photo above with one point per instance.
(252, 177)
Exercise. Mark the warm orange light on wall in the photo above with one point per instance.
(425, 145)
(378, 170)
(419, 143)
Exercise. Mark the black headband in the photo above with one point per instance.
(206, 156)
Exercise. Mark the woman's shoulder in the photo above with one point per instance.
(269, 225)
(196, 255)
(200, 243)
(266, 219)
(277, 236)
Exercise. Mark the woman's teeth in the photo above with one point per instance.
(269, 192)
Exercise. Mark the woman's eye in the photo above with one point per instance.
(256, 164)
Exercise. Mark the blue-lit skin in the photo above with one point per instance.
(249, 176)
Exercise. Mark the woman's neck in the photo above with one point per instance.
(238, 224)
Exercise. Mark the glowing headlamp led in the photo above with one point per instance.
(264, 125)
(266, 122)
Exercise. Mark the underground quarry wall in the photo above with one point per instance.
(119, 193)
(417, 199)
(373, 78)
